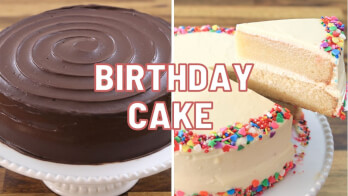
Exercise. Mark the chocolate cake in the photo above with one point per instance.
(48, 106)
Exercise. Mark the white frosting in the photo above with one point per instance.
(207, 47)
(229, 107)
(219, 171)
(311, 32)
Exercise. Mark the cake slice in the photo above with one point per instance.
(298, 61)
(267, 79)
(302, 46)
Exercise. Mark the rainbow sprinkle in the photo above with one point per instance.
(303, 132)
(302, 136)
(235, 136)
(205, 28)
(334, 41)
(256, 188)
(341, 113)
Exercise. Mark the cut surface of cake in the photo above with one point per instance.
(48, 106)
(302, 54)
(279, 83)
(250, 147)
(294, 44)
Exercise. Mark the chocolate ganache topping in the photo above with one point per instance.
(48, 107)
(48, 59)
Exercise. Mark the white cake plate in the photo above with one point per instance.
(313, 170)
(84, 180)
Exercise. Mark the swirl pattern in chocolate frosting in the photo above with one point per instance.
(47, 60)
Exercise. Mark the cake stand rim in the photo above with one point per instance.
(50, 176)
(329, 153)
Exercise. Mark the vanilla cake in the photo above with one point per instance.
(298, 61)
(250, 147)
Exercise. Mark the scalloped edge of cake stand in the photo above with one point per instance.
(315, 167)
(110, 189)
(78, 180)
(328, 155)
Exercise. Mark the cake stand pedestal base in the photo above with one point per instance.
(108, 179)
(110, 189)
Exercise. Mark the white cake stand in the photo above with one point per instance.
(77, 180)
(313, 170)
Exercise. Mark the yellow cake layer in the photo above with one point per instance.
(289, 90)
(290, 57)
